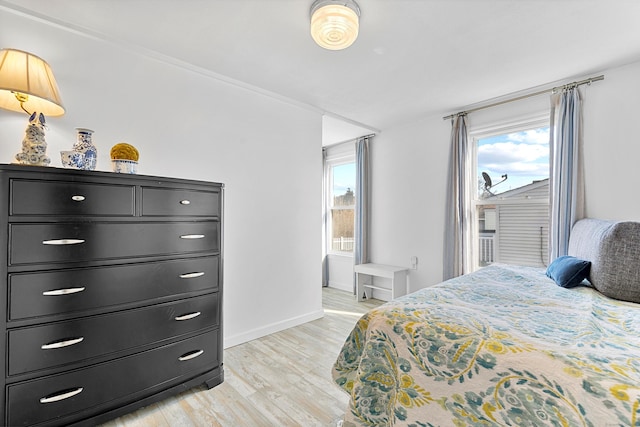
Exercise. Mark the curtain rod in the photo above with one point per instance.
(518, 98)
(350, 140)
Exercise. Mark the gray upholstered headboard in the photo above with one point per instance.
(613, 247)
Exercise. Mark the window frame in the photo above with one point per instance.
(506, 126)
(342, 158)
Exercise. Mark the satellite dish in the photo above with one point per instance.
(487, 181)
(488, 184)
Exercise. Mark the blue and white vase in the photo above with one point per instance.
(84, 144)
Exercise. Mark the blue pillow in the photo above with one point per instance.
(568, 271)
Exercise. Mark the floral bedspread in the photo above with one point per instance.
(502, 346)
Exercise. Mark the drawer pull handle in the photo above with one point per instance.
(67, 291)
(192, 236)
(185, 202)
(77, 198)
(189, 316)
(61, 396)
(61, 344)
(191, 275)
(63, 242)
(189, 356)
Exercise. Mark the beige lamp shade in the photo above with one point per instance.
(334, 23)
(27, 83)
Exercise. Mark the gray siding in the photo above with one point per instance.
(519, 233)
(541, 192)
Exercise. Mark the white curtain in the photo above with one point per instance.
(458, 229)
(363, 204)
(566, 193)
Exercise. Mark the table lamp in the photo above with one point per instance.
(27, 84)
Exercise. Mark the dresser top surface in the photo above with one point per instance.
(46, 172)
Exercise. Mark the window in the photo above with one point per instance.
(342, 203)
(512, 199)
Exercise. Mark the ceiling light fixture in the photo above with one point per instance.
(334, 23)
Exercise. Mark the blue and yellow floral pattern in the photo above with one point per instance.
(503, 346)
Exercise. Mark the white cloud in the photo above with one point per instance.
(523, 156)
(510, 152)
(533, 136)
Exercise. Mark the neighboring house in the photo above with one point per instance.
(515, 229)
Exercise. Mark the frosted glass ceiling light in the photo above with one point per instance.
(334, 23)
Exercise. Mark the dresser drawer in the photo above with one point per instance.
(177, 202)
(74, 242)
(66, 291)
(70, 198)
(61, 343)
(107, 385)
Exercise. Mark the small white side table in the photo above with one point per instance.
(398, 276)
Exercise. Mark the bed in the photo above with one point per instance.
(506, 345)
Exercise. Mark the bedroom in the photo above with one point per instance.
(203, 126)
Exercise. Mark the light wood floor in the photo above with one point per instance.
(283, 379)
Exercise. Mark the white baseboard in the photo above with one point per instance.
(271, 328)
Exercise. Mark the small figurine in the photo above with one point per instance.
(34, 147)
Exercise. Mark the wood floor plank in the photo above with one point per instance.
(283, 379)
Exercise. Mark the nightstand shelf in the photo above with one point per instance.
(366, 272)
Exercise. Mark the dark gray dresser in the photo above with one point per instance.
(112, 292)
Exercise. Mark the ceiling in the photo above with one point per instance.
(412, 59)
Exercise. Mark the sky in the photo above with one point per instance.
(344, 176)
(522, 156)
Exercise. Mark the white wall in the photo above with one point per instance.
(612, 145)
(340, 272)
(190, 125)
(409, 167)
